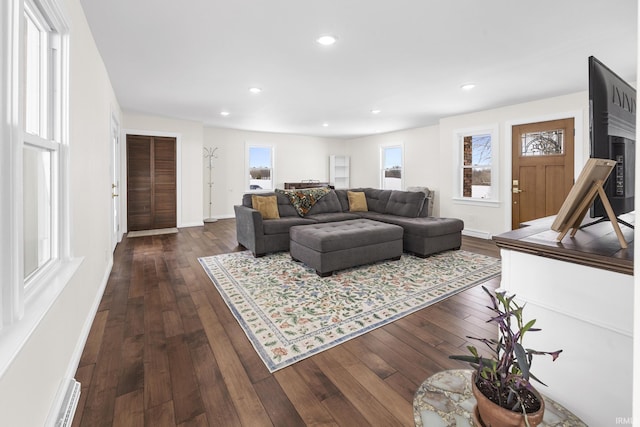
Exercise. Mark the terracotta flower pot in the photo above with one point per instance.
(493, 415)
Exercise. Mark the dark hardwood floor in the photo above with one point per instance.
(164, 350)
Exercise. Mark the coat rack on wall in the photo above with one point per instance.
(209, 155)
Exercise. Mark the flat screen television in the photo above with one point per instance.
(612, 129)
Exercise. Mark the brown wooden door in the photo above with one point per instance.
(542, 169)
(151, 182)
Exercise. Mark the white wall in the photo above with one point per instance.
(421, 159)
(594, 330)
(189, 136)
(491, 220)
(29, 387)
(296, 158)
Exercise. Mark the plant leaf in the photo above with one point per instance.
(528, 326)
(473, 350)
(533, 377)
(464, 358)
(521, 360)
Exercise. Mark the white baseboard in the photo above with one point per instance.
(191, 224)
(224, 216)
(476, 233)
(59, 401)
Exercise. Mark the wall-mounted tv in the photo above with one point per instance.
(612, 129)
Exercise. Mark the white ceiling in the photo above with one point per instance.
(193, 59)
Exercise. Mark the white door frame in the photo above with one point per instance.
(116, 190)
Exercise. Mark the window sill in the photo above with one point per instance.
(14, 336)
(493, 203)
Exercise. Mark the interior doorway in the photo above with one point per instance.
(151, 182)
(542, 168)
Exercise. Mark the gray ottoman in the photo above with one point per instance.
(337, 245)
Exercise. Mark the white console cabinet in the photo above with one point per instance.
(580, 291)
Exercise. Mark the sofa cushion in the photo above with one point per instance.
(376, 216)
(343, 199)
(282, 225)
(333, 216)
(266, 205)
(285, 208)
(377, 199)
(305, 198)
(357, 201)
(327, 204)
(405, 203)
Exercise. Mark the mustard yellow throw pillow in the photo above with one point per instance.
(357, 201)
(266, 205)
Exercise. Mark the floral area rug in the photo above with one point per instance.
(290, 313)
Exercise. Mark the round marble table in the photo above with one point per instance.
(445, 400)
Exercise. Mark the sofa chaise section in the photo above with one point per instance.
(423, 234)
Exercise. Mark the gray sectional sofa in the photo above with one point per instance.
(423, 234)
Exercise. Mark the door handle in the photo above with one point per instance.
(516, 190)
(114, 195)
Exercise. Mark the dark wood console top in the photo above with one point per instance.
(305, 184)
(595, 246)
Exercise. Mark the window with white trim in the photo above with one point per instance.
(476, 178)
(391, 161)
(260, 167)
(42, 143)
(36, 227)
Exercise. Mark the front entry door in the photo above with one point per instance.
(151, 182)
(542, 169)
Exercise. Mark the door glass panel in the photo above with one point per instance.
(547, 143)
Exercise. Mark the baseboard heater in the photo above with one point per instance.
(69, 405)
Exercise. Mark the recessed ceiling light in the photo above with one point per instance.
(326, 40)
(467, 86)
(325, 124)
(255, 90)
(375, 111)
(224, 113)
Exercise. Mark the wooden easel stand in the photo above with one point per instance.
(577, 218)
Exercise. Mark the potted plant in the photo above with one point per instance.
(501, 382)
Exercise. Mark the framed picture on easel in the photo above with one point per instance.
(588, 185)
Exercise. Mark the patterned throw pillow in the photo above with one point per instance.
(266, 205)
(357, 201)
